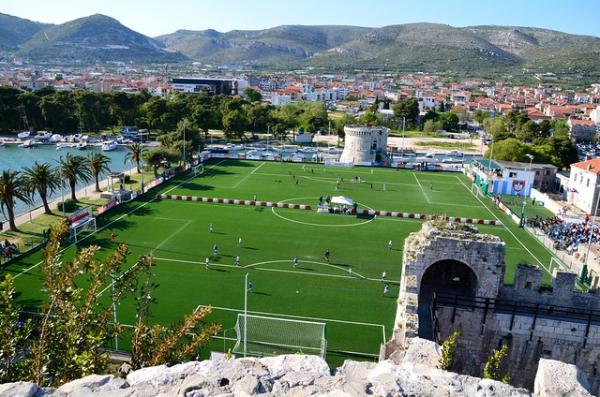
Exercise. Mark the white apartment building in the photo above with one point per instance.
(583, 185)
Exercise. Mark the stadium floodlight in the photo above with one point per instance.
(266, 336)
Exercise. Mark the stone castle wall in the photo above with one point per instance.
(560, 323)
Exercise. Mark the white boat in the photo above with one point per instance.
(2, 143)
(27, 144)
(81, 145)
(23, 135)
(42, 135)
(109, 146)
(455, 153)
(56, 138)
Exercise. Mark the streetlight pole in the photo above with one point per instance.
(115, 313)
(245, 311)
(583, 272)
(531, 157)
(184, 121)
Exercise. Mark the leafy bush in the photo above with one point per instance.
(127, 178)
(493, 367)
(448, 348)
(70, 205)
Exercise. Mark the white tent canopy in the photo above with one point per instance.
(341, 200)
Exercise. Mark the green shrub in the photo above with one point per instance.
(70, 205)
(448, 348)
(493, 367)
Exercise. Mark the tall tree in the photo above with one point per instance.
(12, 187)
(407, 109)
(43, 179)
(252, 95)
(98, 163)
(235, 123)
(134, 155)
(75, 168)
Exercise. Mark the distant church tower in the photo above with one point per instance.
(364, 144)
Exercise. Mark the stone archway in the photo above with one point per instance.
(447, 276)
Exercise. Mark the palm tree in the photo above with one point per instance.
(135, 155)
(43, 179)
(75, 168)
(12, 187)
(98, 164)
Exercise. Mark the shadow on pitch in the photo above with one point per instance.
(261, 293)
(250, 248)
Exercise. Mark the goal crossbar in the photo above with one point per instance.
(76, 228)
(266, 336)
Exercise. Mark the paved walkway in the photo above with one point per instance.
(89, 192)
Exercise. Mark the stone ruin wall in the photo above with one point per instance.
(554, 338)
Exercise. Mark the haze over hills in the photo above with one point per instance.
(410, 47)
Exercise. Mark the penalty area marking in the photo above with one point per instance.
(116, 220)
(229, 309)
(254, 265)
(319, 224)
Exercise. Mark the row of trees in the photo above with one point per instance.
(65, 112)
(44, 179)
(67, 338)
(515, 135)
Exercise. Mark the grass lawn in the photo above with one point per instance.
(531, 210)
(414, 134)
(357, 314)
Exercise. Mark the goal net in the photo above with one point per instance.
(198, 169)
(80, 221)
(266, 336)
(476, 190)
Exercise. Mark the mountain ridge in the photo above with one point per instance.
(427, 47)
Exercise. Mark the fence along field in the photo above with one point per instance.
(353, 306)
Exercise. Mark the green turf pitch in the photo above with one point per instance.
(356, 312)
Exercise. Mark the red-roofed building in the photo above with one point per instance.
(582, 130)
(583, 185)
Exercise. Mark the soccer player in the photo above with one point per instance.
(216, 249)
(295, 262)
(386, 289)
(327, 255)
(431, 186)
(239, 244)
(254, 198)
(211, 228)
(384, 187)
(237, 260)
(113, 237)
(390, 244)
(250, 286)
(383, 276)
(349, 271)
(206, 263)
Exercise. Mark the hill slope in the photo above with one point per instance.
(92, 38)
(14, 30)
(419, 46)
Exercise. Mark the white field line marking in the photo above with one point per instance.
(348, 181)
(229, 339)
(508, 230)
(247, 176)
(354, 276)
(166, 240)
(423, 190)
(162, 218)
(118, 278)
(118, 219)
(229, 309)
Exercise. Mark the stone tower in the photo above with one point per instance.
(364, 144)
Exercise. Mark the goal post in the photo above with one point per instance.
(80, 221)
(198, 169)
(267, 336)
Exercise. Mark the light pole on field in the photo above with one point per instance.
(531, 157)
(584, 268)
(245, 311)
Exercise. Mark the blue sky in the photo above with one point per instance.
(154, 17)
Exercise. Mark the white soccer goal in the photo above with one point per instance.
(79, 227)
(266, 336)
(198, 169)
(476, 190)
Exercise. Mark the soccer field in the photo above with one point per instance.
(357, 314)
